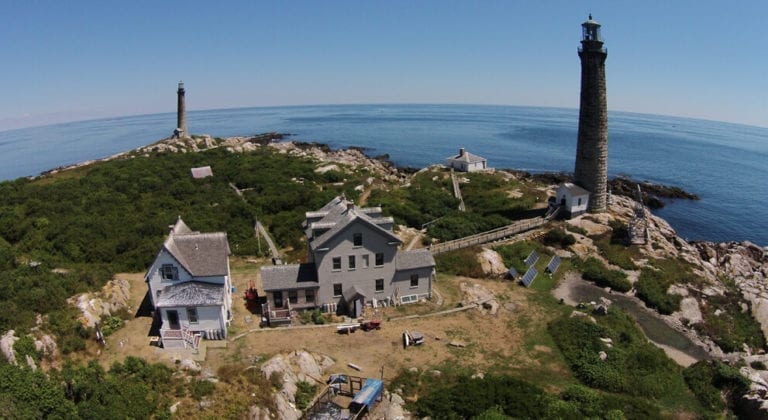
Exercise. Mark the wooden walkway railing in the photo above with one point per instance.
(489, 236)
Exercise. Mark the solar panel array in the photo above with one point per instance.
(529, 276)
(513, 273)
(532, 258)
(554, 264)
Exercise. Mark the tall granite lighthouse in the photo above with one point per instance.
(591, 171)
(181, 112)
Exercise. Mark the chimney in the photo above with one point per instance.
(350, 205)
(461, 151)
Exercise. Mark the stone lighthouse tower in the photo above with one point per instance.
(591, 171)
(181, 112)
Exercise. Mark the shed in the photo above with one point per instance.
(466, 162)
(202, 172)
(573, 199)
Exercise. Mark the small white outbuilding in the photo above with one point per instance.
(572, 198)
(466, 162)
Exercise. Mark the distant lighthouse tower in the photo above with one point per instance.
(181, 112)
(591, 171)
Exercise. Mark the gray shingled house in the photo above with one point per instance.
(466, 162)
(189, 286)
(353, 261)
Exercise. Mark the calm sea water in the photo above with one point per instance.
(725, 164)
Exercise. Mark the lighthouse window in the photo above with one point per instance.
(579, 201)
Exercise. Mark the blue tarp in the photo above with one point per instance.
(369, 393)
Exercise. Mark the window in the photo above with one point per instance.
(365, 261)
(336, 289)
(337, 263)
(414, 280)
(192, 315)
(579, 201)
(169, 272)
(379, 259)
(357, 239)
(379, 285)
(351, 262)
(293, 296)
(309, 296)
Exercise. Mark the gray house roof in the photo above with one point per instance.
(191, 293)
(574, 189)
(201, 254)
(465, 156)
(289, 276)
(418, 258)
(340, 213)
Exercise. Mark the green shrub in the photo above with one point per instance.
(757, 365)
(462, 262)
(594, 270)
(305, 392)
(715, 384)
(317, 317)
(652, 289)
(559, 237)
(25, 346)
(201, 388)
(110, 325)
(731, 328)
(632, 366)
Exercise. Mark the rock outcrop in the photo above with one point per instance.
(298, 366)
(114, 296)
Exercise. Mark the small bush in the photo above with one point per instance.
(594, 270)
(201, 388)
(110, 325)
(462, 262)
(559, 237)
(305, 392)
(25, 346)
(276, 380)
(757, 365)
(715, 384)
(317, 317)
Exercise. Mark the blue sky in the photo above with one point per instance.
(74, 60)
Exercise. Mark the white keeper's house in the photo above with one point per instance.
(190, 286)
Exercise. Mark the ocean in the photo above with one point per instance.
(725, 164)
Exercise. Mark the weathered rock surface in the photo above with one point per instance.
(297, 366)
(491, 263)
(114, 296)
(6, 346)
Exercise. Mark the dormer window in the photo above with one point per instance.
(357, 239)
(169, 272)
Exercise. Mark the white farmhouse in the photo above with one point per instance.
(572, 198)
(466, 162)
(189, 286)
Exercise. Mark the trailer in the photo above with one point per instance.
(369, 394)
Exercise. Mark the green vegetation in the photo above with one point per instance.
(429, 199)
(630, 366)
(462, 262)
(654, 282)
(514, 254)
(560, 238)
(110, 217)
(305, 392)
(715, 384)
(594, 270)
(728, 324)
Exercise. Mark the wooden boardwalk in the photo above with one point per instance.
(260, 230)
(489, 236)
